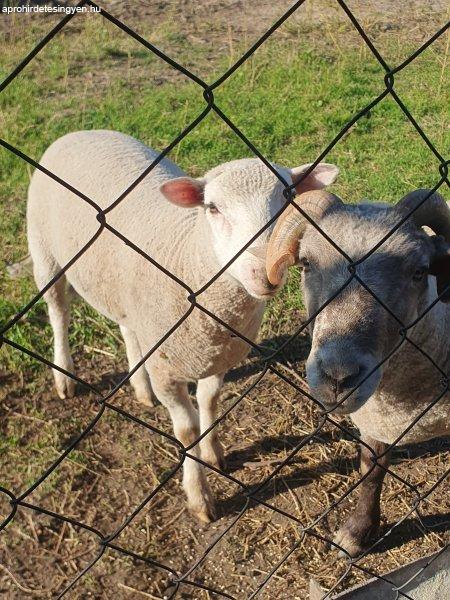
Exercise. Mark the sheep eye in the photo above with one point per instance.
(304, 263)
(212, 209)
(420, 273)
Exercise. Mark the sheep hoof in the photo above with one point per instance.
(348, 543)
(205, 514)
(65, 386)
(355, 536)
(204, 507)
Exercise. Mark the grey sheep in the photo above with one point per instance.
(354, 332)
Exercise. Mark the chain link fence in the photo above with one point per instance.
(270, 361)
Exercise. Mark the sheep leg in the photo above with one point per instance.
(363, 524)
(208, 391)
(140, 380)
(59, 315)
(45, 268)
(174, 396)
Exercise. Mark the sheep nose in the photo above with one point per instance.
(261, 280)
(341, 377)
(270, 286)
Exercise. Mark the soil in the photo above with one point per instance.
(120, 462)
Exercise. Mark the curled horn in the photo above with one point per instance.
(433, 213)
(290, 227)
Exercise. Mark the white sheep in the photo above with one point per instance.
(354, 332)
(220, 213)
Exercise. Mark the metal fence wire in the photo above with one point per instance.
(270, 361)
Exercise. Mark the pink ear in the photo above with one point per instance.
(323, 175)
(183, 191)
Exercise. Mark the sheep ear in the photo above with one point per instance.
(183, 191)
(323, 175)
(440, 268)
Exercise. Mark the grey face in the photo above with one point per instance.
(354, 333)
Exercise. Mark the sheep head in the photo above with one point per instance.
(354, 331)
(237, 200)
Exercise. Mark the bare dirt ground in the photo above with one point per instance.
(120, 462)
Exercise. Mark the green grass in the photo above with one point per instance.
(290, 100)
